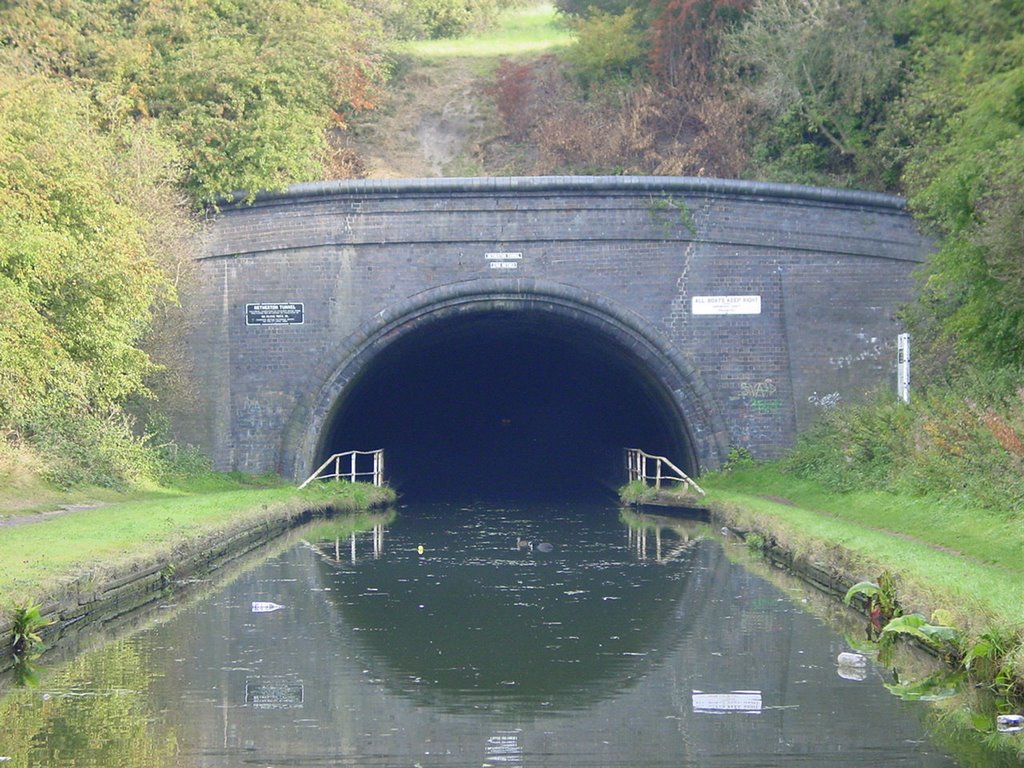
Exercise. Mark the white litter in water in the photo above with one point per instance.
(1010, 723)
(851, 660)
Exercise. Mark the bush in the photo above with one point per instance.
(965, 441)
(607, 47)
(80, 447)
(512, 92)
(437, 19)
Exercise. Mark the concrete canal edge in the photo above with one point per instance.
(88, 599)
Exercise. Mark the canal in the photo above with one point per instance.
(441, 638)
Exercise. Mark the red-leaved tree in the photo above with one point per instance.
(685, 36)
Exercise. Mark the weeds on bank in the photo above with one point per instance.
(962, 442)
(28, 623)
(988, 659)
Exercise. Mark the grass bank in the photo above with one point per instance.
(529, 30)
(40, 561)
(955, 566)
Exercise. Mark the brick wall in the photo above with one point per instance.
(367, 260)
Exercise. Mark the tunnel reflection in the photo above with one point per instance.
(515, 405)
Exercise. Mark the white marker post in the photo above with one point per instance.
(903, 367)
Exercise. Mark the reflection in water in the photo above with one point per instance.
(96, 711)
(433, 639)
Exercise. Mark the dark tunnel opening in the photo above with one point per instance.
(506, 406)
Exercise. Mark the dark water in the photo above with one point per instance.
(617, 648)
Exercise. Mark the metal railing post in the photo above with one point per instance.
(636, 464)
(352, 472)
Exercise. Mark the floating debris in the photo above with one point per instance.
(852, 666)
(852, 660)
(1009, 723)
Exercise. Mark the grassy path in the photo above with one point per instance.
(956, 566)
(39, 560)
(968, 562)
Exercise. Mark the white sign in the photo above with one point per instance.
(726, 305)
(903, 367)
(503, 260)
(275, 313)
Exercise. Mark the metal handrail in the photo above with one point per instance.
(377, 473)
(636, 464)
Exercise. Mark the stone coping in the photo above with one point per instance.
(593, 184)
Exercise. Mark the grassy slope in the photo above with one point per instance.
(39, 558)
(436, 118)
(967, 562)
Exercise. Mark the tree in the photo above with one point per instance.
(959, 134)
(820, 74)
(79, 273)
(685, 38)
(249, 91)
(607, 46)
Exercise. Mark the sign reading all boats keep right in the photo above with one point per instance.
(726, 305)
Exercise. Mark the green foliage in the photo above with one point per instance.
(72, 260)
(854, 446)
(756, 542)
(935, 687)
(820, 98)
(739, 458)
(436, 19)
(959, 134)
(917, 626)
(988, 659)
(81, 270)
(249, 91)
(637, 492)
(108, 111)
(83, 447)
(669, 212)
(588, 7)
(866, 588)
(28, 623)
(607, 47)
(883, 601)
(965, 441)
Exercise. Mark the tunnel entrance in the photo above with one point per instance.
(506, 404)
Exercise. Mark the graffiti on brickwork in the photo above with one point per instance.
(825, 402)
(251, 412)
(758, 389)
(766, 406)
(874, 349)
(760, 396)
